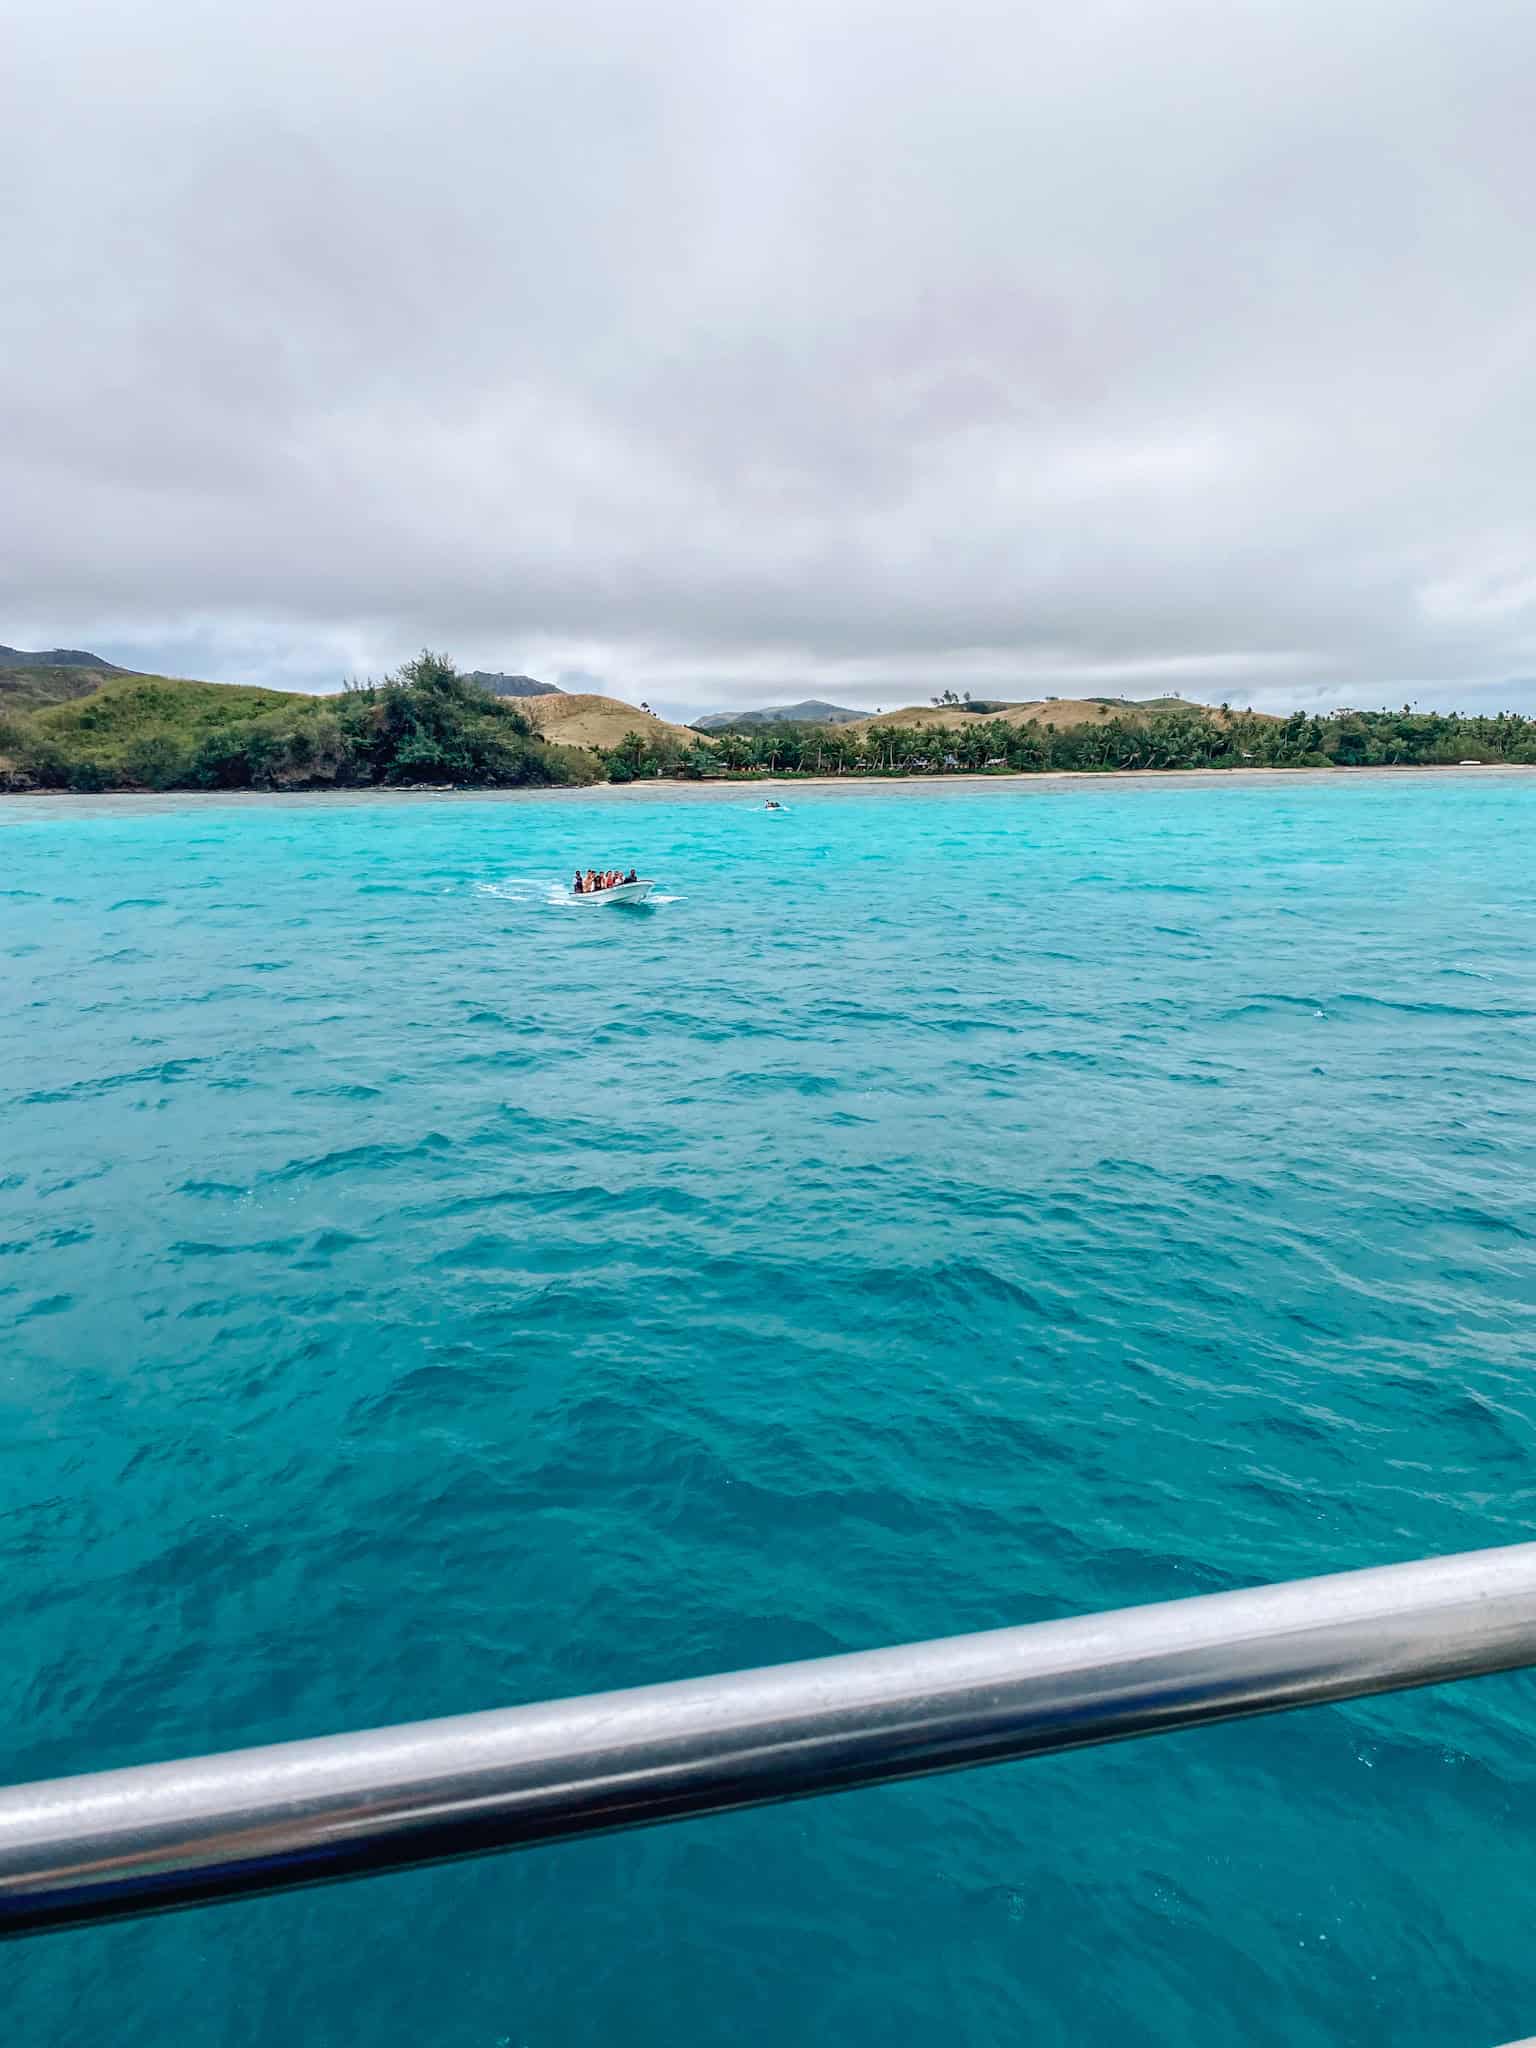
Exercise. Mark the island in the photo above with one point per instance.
(70, 722)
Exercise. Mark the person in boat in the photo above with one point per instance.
(578, 885)
(632, 876)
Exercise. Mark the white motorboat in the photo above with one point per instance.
(621, 892)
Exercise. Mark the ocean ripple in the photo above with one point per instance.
(1123, 1193)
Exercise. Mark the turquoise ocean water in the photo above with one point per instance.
(942, 1209)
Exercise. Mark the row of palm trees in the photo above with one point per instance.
(1178, 736)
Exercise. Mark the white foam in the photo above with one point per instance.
(514, 888)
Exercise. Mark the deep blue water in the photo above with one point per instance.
(948, 1208)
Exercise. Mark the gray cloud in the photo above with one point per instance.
(721, 353)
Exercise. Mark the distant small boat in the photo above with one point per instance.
(621, 892)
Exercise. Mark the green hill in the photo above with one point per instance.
(54, 676)
(132, 732)
(425, 725)
(114, 717)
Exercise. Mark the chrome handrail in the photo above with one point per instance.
(117, 1843)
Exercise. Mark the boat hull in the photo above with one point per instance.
(623, 892)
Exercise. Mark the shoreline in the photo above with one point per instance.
(652, 787)
(1118, 775)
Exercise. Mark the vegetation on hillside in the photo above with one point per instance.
(424, 724)
(583, 719)
(1168, 736)
(429, 725)
(27, 688)
(50, 675)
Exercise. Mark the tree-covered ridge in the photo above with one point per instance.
(424, 724)
(1170, 736)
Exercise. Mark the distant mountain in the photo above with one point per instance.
(811, 712)
(58, 657)
(510, 686)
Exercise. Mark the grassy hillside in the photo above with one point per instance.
(427, 724)
(115, 718)
(29, 689)
(1061, 712)
(578, 720)
(1094, 736)
(52, 676)
(1064, 713)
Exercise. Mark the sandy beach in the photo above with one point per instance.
(17, 807)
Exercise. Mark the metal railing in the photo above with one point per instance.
(118, 1843)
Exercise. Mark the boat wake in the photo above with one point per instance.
(525, 889)
(541, 889)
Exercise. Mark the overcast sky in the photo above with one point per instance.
(721, 354)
